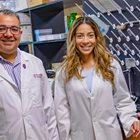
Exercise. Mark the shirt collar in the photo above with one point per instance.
(17, 59)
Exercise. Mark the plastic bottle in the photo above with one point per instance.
(72, 18)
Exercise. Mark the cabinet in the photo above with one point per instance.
(46, 16)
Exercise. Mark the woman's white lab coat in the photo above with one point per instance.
(82, 116)
(27, 114)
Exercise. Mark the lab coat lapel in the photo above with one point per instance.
(85, 86)
(95, 92)
(96, 83)
(4, 74)
(84, 83)
(24, 71)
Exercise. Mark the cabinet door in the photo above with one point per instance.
(26, 37)
(25, 23)
(51, 52)
(48, 16)
(44, 18)
(27, 47)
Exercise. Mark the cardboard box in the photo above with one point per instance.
(20, 5)
(32, 3)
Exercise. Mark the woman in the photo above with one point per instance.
(90, 89)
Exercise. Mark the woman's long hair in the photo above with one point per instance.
(101, 55)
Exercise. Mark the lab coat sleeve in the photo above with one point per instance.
(49, 110)
(126, 108)
(62, 107)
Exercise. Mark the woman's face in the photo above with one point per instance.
(85, 39)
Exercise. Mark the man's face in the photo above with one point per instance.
(9, 37)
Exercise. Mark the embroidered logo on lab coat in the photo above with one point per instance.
(38, 75)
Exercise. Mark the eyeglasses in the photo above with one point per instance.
(13, 29)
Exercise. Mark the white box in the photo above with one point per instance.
(52, 37)
(27, 34)
(41, 33)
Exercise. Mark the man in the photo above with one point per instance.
(26, 104)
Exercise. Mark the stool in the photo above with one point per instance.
(132, 138)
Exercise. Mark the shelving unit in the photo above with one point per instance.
(26, 46)
(46, 16)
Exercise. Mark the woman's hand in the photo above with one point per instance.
(138, 115)
(135, 128)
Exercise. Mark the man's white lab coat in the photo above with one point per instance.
(27, 114)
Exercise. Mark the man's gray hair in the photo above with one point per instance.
(9, 13)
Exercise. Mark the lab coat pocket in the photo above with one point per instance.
(36, 100)
(107, 114)
(36, 92)
(3, 137)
